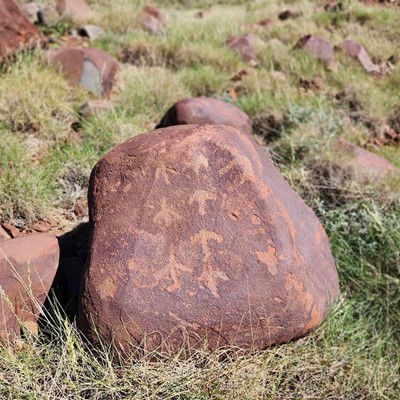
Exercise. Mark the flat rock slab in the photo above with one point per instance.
(16, 30)
(198, 240)
(357, 51)
(89, 67)
(318, 47)
(206, 110)
(28, 265)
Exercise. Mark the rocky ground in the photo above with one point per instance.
(319, 82)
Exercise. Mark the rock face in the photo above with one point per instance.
(356, 50)
(152, 20)
(318, 47)
(365, 163)
(243, 45)
(206, 110)
(28, 265)
(16, 31)
(197, 237)
(92, 68)
(78, 9)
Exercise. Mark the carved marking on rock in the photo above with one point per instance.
(269, 258)
(142, 279)
(199, 162)
(167, 215)
(245, 166)
(163, 171)
(210, 276)
(107, 288)
(173, 270)
(201, 197)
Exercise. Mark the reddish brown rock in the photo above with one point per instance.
(92, 68)
(206, 110)
(318, 47)
(28, 266)
(265, 23)
(78, 9)
(197, 237)
(288, 14)
(356, 50)
(243, 45)
(152, 20)
(16, 31)
(365, 163)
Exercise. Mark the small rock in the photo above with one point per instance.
(78, 9)
(311, 84)
(90, 67)
(317, 46)
(93, 32)
(279, 75)
(96, 107)
(243, 45)
(80, 208)
(28, 266)
(31, 11)
(11, 230)
(288, 14)
(152, 20)
(206, 110)
(42, 226)
(265, 23)
(16, 31)
(242, 74)
(356, 50)
(4, 234)
(48, 15)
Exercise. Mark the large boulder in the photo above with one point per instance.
(28, 265)
(197, 239)
(206, 110)
(89, 67)
(16, 30)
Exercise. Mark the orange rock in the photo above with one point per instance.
(197, 238)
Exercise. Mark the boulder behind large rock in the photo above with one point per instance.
(198, 239)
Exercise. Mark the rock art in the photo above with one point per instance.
(243, 45)
(365, 163)
(16, 31)
(92, 68)
(356, 50)
(317, 46)
(78, 9)
(28, 265)
(206, 110)
(152, 20)
(198, 240)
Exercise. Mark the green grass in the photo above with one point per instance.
(47, 152)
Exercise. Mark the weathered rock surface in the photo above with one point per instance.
(28, 266)
(365, 163)
(317, 46)
(243, 45)
(197, 237)
(93, 32)
(31, 10)
(356, 50)
(92, 68)
(16, 30)
(78, 9)
(152, 20)
(206, 110)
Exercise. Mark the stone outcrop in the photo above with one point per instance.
(206, 110)
(28, 265)
(16, 30)
(197, 239)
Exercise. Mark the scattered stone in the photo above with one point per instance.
(93, 32)
(288, 14)
(333, 6)
(199, 14)
(4, 234)
(206, 110)
(48, 15)
(265, 23)
(31, 11)
(365, 163)
(315, 84)
(356, 50)
(42, 226)
(12, 230)
(77, 9)
(96, 107)
(28, 266)
(90, 67)
(242, 74)
(279, 76)
(317, 46)
(243, 45)
(152, 20)
(80, 208)
(209, 246)
(16, 31)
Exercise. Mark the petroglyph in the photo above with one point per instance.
(167, 214)
(141, 276)
(163, 171)
(173, 270)
(199, 162)
(108, 288)
(202, 238)
(269, 258)
(201, 197)
(209, 277)
(244, 164)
